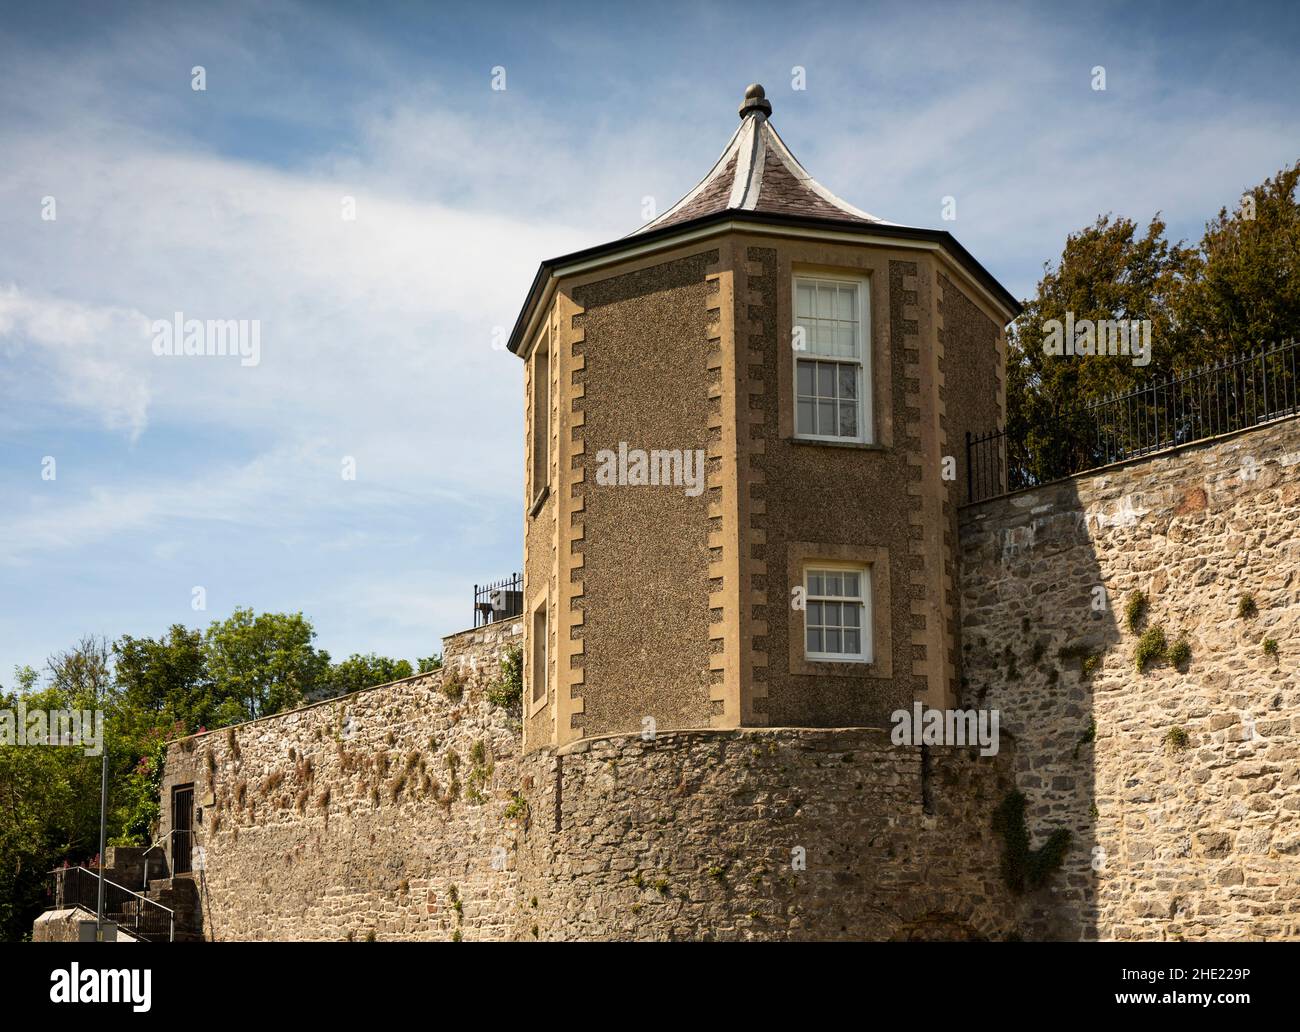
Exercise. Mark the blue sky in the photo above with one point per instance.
(377, 333)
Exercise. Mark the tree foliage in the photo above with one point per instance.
(151, 691)
(358, 671)
(261, 664)
(1235, 291)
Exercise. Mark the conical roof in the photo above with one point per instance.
(757, 172)
(758, 182)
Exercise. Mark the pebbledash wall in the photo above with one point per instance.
(407, 811)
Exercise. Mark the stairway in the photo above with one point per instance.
(180, 895)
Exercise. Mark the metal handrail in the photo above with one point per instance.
(483, 611)
(171, 914)
(1247, 390)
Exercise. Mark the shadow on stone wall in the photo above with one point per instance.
(1177, 774)
(1039, 622)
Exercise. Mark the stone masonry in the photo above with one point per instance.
(407, 810)
(1181, 785)
(377, 814)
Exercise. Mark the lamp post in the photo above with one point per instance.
(103, 826)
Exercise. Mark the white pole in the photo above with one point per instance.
(103, 826)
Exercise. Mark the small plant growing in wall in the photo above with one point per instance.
(1246, 608)
(1180, 653)
(1089, 661)
(1087, 738)
(508, 692)
(1177, 739)
(1270, 648)
(452, 686)
(517, 809)
(1024, 868)
(1151, 648)
(1135, 610)
(480, 773)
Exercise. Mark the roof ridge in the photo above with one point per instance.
(745, 157)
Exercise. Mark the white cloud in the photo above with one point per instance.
(86, 358)
(376, 333)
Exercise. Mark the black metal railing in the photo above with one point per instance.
(499, 601)
(1219, 398)
(143, 917)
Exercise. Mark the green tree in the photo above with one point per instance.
(1110, 270)
(83, 674)
(165, 680)
(1243, 291)
(262, 664)
(1237, 290)
(49, 796)
(358, 671)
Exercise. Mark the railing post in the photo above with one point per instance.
(970, 480)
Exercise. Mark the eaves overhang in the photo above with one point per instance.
(717, 222)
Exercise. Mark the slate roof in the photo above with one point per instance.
(757, 181)
(757, 172)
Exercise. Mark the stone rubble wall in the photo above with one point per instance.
(1180, 787)
(764, 834)
(1194, 839)
(379, 814)
(342, 820)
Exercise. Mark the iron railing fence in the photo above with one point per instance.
(1254, 388)
(499, 601)
(141, 916)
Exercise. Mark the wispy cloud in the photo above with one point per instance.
(377, 332)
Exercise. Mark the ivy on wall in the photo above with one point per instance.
(1024, 868)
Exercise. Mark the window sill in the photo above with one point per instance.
(536, 507)
(817, 442)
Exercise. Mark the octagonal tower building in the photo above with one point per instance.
(745, 447)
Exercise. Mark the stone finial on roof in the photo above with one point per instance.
(755, 100)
